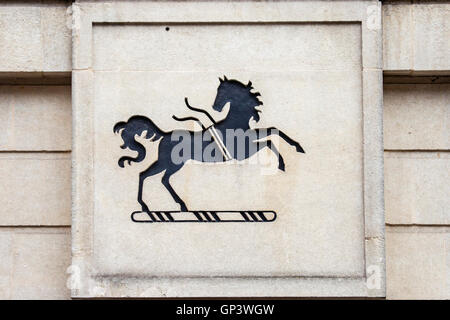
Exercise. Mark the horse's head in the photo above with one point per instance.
(239, 96)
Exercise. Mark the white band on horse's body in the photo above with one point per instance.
(219, 143)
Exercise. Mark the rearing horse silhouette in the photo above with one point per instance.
(242, 108)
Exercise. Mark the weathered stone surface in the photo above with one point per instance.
(431, 33)
(35, 37)
(417, 117)
(35, 118)
(257, 251)
(315, 88)
(418, 262)
(161, 55)
(416, 187)
(34, 263)
(56, 37)
(36, 189)
(416, 37)
(5, 265)
(397, 37)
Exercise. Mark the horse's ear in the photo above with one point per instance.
(249, 84)
(225, 78)
(220, 79)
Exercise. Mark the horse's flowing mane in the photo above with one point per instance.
(254, 94)
(243, 87)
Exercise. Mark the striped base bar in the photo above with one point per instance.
(204, 216)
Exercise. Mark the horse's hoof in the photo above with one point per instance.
(299, 149)
(281, 165)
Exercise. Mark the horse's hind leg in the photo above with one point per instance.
(155, 168)
(269, 144)
(166, 183)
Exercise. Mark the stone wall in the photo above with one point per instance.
(417, 145)
(35, 112)
(417, 171)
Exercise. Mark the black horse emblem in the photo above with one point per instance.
(215, 141)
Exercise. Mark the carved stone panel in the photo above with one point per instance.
(227, 149)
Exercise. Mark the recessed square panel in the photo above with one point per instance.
(315, 99)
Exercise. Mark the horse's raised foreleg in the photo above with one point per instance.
(263, 133)
(269, 144)
(165, 181)
(155, 168)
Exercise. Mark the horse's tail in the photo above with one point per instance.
(135, 126)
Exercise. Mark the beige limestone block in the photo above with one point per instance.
(21, 40)
(35, 37)
(431, 36)
(397, 37)
(82, 159)
(5, 264)
(36, 189)
(373, 153)
(416, 37)
(35, 118)
(417, 189)
(34, 263)
(417, 117)
(418, 262)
